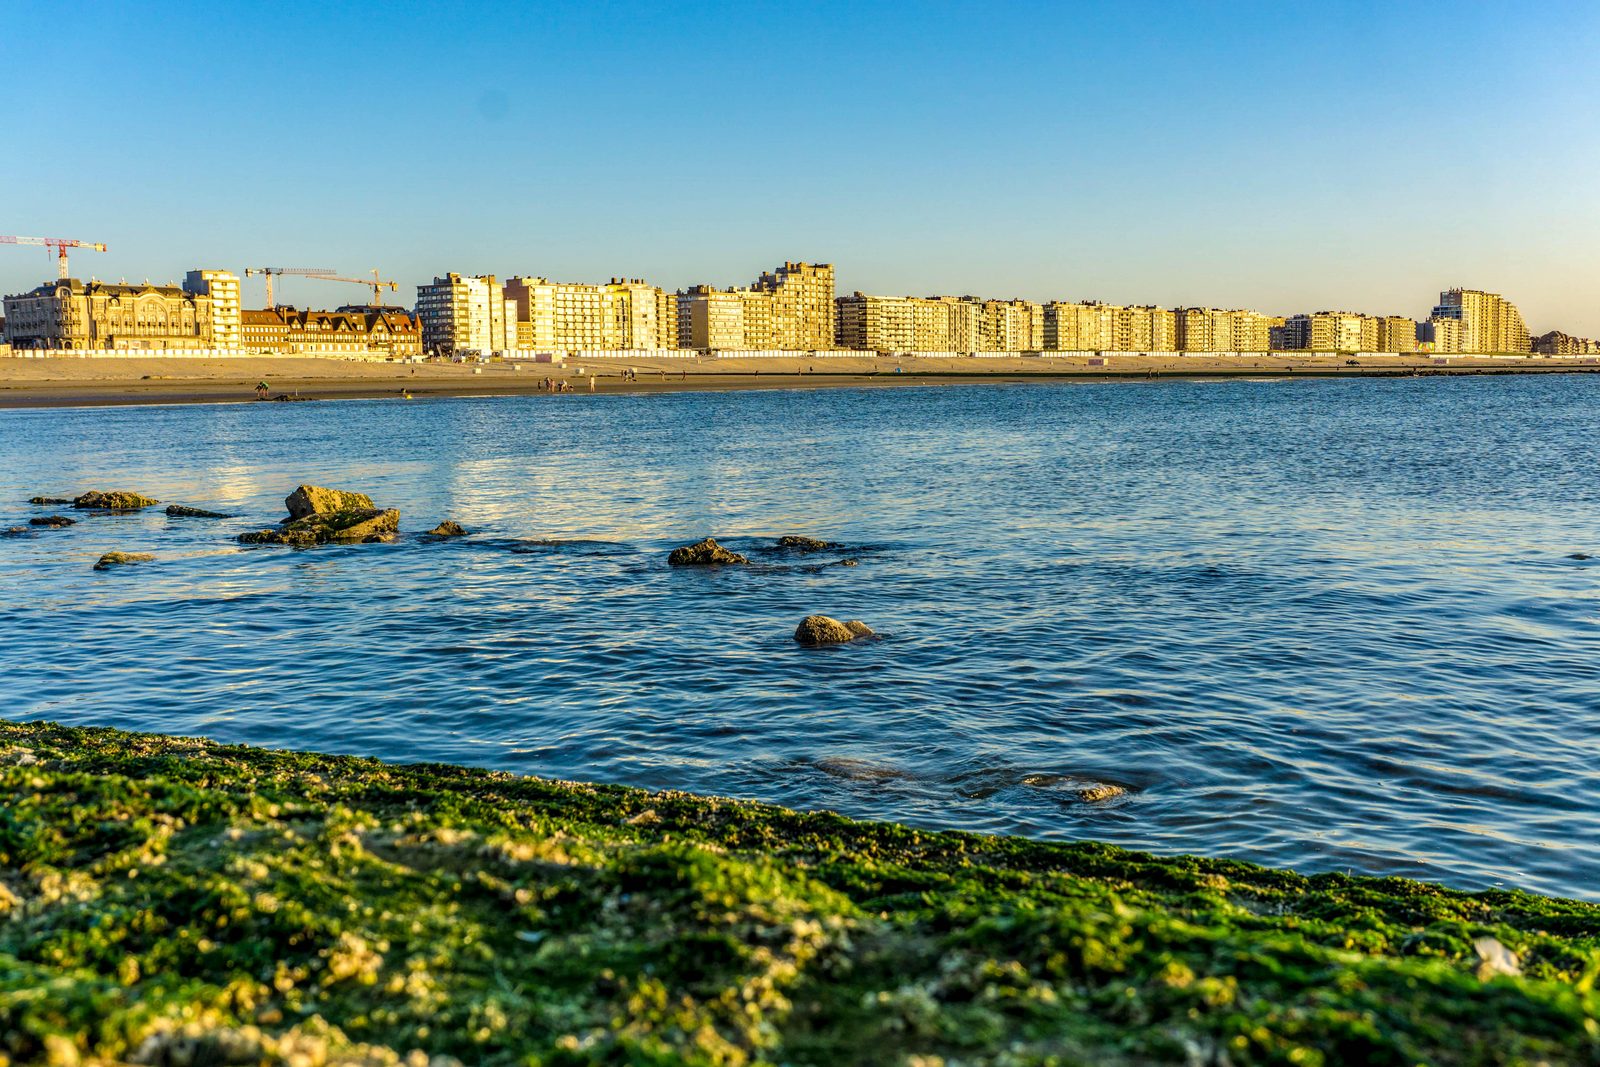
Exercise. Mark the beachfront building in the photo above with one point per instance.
(75, 315)
(1011, 326)
(351, 332)
(223, 289)
(1440, 336)
(1217, 330)
(1397, 333)
(581, 317)
(790, 308)
(1556, 343)
(1331, 331)
(1489, 322)
(460, 314)
(1095, 327)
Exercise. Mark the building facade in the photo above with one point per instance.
(466, 314)
(70, 314)
(1556, 343)
(1440, 336)
(1489, 322)
(791, 308)
(350, 332)
(223, 289)
(1397, 333)
(581, 317)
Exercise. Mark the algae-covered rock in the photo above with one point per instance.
(49, 501)
(179, 511)
(173, 901)
(798, 543)
(309, 500)
(52, 520)
(448, 528)
(360, 525)
(117, 500)
(119, 559)
(817, 630)
(705, 553)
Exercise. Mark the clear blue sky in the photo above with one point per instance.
(1282, 156)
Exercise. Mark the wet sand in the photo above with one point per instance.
(74, 382)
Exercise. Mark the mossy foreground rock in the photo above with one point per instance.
(118, 500)
(121, 559)
(171, 901)
(367, 524)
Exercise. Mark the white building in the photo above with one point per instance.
(466, 314)
(223, 289)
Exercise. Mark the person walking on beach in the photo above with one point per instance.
(261, 390)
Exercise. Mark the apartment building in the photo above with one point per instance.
(791, 307)
(1489, 322)
(1441, 336)
(1332, 331)
(1397, 333)
(223, 289)
(1556, 343)
(459, 313)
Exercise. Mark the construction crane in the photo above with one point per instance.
(311, 272)
(60, 244)
(377, 283)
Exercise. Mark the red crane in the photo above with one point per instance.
(60, 244)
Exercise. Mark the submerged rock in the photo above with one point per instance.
(52, 520)
(315, 500)
(19, 531)
(179, 511)
(117, 559)
(118, 500)
(805, 544)
(448, 528)
(1580, 555)
(359, 525)
(49, 501)
(705, 553)
(817, 630)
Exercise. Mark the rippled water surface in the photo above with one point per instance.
(1323, 624)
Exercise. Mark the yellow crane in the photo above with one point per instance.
(60, 244)
(378, 284)
(310, 272)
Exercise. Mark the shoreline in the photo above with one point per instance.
(342, 910)
(80, 382)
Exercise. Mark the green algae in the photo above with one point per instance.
(171, 901)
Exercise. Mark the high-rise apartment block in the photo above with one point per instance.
(1094, 327)
(1489, 322)
(939, 324)
(1441, 336)
(787, 308)
(1397, 333)
(1217, 330)
(466, 314)
(223, 289)
(1332, 331)
(580, 317)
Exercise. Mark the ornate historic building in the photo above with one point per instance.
(72, 314)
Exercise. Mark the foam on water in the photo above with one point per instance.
(1333, 625)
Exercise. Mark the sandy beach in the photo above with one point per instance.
(73, 381)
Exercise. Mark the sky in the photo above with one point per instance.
(1281, 156)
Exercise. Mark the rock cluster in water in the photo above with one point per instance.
(179, 511)
(448, 528)
(318, 516)
(705, 553)
(52, 521)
